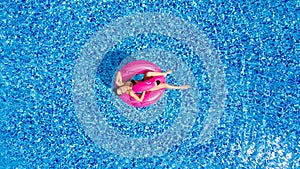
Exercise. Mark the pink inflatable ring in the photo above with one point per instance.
(141, 67)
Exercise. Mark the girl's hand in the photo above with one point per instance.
(136, 97)
(142, 96)
(119, 81)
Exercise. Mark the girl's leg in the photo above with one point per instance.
(167, 86)
(151, 74)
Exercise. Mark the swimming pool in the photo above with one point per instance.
(58, 62)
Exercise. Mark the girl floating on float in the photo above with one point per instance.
(141, 93)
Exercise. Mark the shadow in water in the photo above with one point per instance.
(109, 64)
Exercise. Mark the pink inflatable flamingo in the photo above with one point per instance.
(141, 67)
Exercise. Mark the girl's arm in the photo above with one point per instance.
(136, 97)
(119, 79)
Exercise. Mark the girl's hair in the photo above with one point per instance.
(115, 91)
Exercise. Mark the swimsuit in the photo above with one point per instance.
(133, 82)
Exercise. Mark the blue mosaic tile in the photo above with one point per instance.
(257, 43)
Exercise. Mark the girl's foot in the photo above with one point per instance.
(168, 72)
(185, 87)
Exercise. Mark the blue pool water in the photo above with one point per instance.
(241, 59)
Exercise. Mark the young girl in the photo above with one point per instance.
(126, 87)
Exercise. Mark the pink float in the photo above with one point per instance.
(141, 67)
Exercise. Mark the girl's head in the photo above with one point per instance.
(120, 90)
